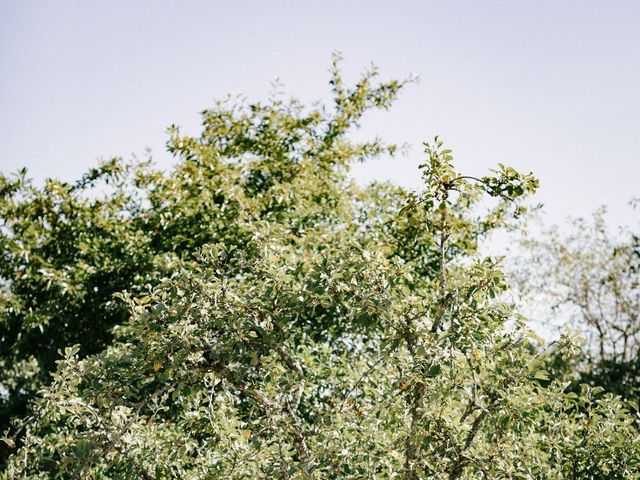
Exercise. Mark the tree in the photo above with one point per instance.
(68, 248)
(592, 279)
(310, 328)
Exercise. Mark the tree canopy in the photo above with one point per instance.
(590, 277)
(255, 313)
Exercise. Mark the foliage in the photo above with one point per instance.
(302, 327)
(592, 278)
(69, 247)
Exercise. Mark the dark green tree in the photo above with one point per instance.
(68, 248)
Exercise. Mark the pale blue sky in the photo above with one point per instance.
(551, 87)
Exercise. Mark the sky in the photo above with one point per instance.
(551, 87)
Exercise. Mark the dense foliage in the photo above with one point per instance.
(67, 248)
(254, 313)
